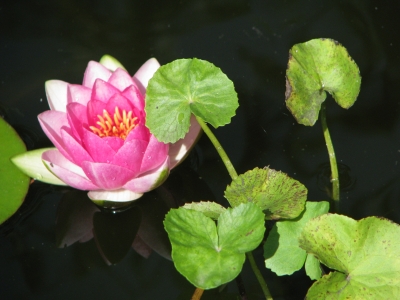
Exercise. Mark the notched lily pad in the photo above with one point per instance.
(208, 208)
(364, 253)
(210, 255)
(314, 68)
(13, 183)
(281, 250)
(278, 195)
(183, 87)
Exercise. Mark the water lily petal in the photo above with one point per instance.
(140, 132)
(179, 150)
(150, 180)
(93, 71)
(77, 116)
(110, 62)
(97, 147)
(119, 101)
(67, 171)
(31, 164)
(78, 93)
(130, 155)
(121, 79)
(102, 91)
(74, 147)
(107, 176)
(114, 142)
(155, 154)
(121, 195)
(135, 96)
(144, 74)
(94, 109)
(56, 93)
(51, 122)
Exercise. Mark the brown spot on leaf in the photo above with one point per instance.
(288, 91)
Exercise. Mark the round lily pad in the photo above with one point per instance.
(13, 183)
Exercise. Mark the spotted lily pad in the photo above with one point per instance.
(365, 255)
(278, 195)
(314, 68)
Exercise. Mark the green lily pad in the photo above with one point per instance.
(183, 87)
(278, 195)
(314, 67)
(13, 183)
(281, 250)
(364, 253)
(210, 255)
(208, 208)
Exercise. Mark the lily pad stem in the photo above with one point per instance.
(258, 274)
(218, 147)
(232, 172)
(197, 294)
(332, 158)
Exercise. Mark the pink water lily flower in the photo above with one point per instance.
(98, 128)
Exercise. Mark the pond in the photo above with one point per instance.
(250, 42)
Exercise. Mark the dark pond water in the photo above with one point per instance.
(249, 41)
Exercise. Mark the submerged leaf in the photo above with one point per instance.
(13, 183)
(183, 87)
(314, 67)
(278, 195)
(281, 250)
(365, 254)
(209, 255)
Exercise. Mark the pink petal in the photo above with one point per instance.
(93, 71)
(103, 91)
(78, 93)
(140, 132)
(97, 147)
(135, 96)
(94, 109)
(121, 79)
(150, 180)
(155, 154)
(179, 150)
(67, 171)
(56, 93)
(107, 176)
(51, 122)
(130, 155)
(77, 116)
(118, 101)
(74, 147)
(144, 74)
(114, 142)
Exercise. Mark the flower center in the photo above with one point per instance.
(116, 126)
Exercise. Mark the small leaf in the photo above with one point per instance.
(278, 195)
(209, 255)
(366, 254)
(208, 208)
(13, 183)
(314, 67)
(31, 164)
(187, 86)
(281, 250)
(313, 267)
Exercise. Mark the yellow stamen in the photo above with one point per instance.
(116, 126)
